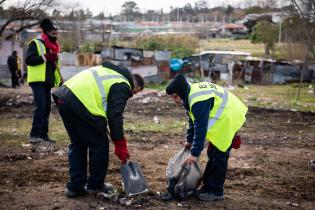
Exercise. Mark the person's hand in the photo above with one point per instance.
(190, 160)
(51, 57)
(187, 145)
(61, 82)
(121, 150)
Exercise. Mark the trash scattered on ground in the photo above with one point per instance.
(311, 164)
(60, 152)
(44, 147)
(120, 198)
(292, 204)
(183, 204)
(311, 89)
(26, 145)
(156, 119)
(125, 201)
(179, 205)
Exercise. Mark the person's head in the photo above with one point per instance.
(138, 83)
(14, 53)
(178, 88)
(49, 29)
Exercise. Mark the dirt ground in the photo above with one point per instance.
(269, 171)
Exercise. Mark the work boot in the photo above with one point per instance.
(108, 189)
(49, 140)
(35, 140)
(210, 197)
(200, 190)
(73, 194)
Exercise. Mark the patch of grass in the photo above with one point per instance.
(277, 96)
(16, 130)
(236, 45)
(156, 86)
(166, 126)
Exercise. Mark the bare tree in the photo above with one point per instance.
(248, 3)
(29, 12)
(305, 10)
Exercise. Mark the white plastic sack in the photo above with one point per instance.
(183, 180)
(175, 163)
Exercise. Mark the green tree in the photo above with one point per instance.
(130, 10)
(189, 11)
(100, 16)
(88, 13)
(266, 33)
(229, 11)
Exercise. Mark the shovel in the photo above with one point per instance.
(133, 179)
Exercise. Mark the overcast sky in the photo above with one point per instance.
(114, 6)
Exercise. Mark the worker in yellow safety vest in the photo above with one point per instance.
(215, 115)
(87, 103)
(43, 73)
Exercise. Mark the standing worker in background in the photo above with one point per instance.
(13, 67)
(87, 102)
(43, 73)
(215, 115)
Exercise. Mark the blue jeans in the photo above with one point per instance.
(85, 140)
(215, 172)
(42, 100)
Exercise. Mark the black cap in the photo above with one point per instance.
(47, 25)
(178, 85)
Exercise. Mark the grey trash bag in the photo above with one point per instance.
(183, 180)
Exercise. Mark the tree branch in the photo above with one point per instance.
(22, 28)
(30, 10)
(2, 1)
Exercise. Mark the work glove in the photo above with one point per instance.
(51, 57)
(236, 143)
(121, 150)
(188, 145)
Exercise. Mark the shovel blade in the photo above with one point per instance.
(133, 180)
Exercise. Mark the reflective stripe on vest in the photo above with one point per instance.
(41, 47)
(92, 87)
(99, 80)
(223, 96)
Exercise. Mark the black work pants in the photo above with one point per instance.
(42, 100)
(216, 169)
(85, 140)
(14, 80)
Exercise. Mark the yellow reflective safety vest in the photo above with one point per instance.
(226, 117)
(38, 73)
(92, 86)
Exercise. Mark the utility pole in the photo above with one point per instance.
(280, 31)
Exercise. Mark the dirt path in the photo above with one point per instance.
(269, 171)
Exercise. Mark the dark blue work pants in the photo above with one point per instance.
(85, 140)
(216, 169)
(42, 100)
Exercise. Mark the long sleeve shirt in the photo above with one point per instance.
(197, 130)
